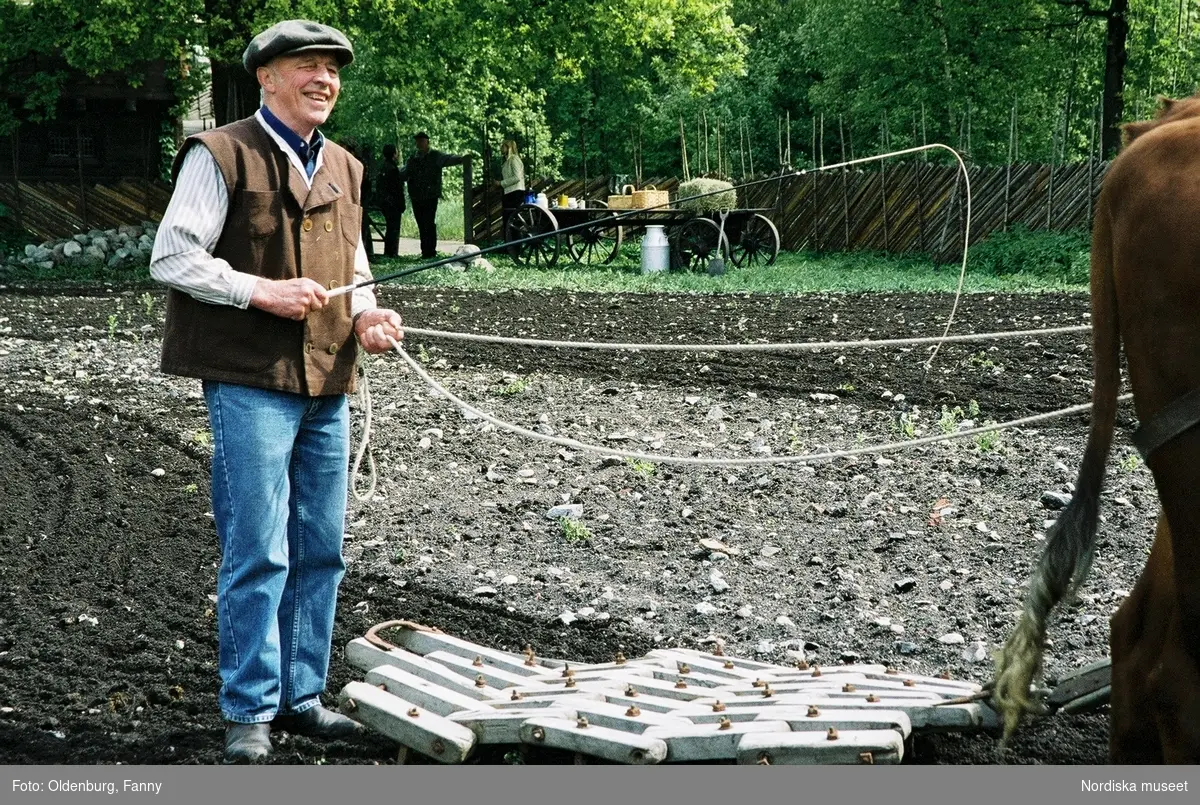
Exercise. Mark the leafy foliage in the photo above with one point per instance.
(1062, 256)
(613, 86)
(47, 39)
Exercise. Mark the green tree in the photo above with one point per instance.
(48, 39)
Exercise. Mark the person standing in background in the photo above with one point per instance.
(391, 200)
(362, 152)
(512, 180)
(423, 171)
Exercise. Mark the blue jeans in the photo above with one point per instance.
(279, 476)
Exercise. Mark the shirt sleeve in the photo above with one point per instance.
(182, 256)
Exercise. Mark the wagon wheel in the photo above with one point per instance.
(758, 244)
(525, 222)
(595, 245)
(695, 242)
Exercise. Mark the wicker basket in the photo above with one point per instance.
(624, 201)
(648, 196)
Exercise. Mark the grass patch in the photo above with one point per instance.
(793, 273)
(1013, 262)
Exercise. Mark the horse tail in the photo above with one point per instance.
(1071, 541)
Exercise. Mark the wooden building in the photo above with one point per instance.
(104, 134)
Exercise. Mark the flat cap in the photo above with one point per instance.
(295, 36)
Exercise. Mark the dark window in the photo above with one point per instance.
(65, 144)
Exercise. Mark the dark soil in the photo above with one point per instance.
(107, 640)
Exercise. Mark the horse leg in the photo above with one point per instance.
(1175, 689)
(1136, 640)
(1175, 679)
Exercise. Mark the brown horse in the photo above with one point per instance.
(1145, 292)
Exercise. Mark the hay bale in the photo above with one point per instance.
(699, 187)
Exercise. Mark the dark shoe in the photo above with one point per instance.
(247, 743)
(317, 722)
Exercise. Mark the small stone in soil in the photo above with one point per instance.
(572, 511)
(976, 651)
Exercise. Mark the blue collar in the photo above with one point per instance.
(306, 152)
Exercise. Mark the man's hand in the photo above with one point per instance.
(289, 299)
(374, 326)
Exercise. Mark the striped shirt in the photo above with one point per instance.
(182, 257)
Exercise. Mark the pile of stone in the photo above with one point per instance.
(125, 246)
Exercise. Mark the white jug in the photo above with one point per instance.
(656, 251)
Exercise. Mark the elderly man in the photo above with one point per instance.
(263, 223)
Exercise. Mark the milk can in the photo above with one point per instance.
(656, 251)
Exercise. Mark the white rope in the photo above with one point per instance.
(364, 399)
(962, 274)
(728, 347)
(723, 462)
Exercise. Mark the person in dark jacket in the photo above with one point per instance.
(391, 200)
(423, 171)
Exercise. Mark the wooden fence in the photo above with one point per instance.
(52, 210)
(913, 207)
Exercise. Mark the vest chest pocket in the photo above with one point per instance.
(351, 219)
(261, 210)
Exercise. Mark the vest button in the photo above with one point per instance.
(333, 348)
(309, 347)
(307, 225)
(329, 226)
(333, 284)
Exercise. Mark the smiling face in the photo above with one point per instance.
(301, 89)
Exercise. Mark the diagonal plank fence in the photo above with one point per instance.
(909, 207)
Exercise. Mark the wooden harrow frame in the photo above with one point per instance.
(444, 697)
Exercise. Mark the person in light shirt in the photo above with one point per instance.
(512, 179)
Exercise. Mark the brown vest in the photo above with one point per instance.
(279, 229)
